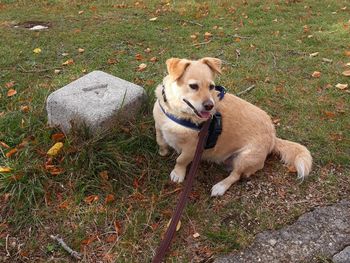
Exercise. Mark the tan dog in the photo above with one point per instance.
(248, 134)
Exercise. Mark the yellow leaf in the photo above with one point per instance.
(55, 149)
(178, 226)
(342, 86)
(11, 152)
(314, 54)
(11, 92)
(37, 50)
(68, 62)
(153, 19)
(346, 73)
(5, 169)
(142, 67)
(208, 34)
(81, 50)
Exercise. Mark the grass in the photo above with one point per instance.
(266, 44)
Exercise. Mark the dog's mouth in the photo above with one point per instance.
(202, 114)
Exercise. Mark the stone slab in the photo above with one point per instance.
(317, 234)
(97, 99)
(343, 256)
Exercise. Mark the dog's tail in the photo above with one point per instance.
(294, 154)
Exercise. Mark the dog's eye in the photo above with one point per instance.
(194, 86)
(211, 86)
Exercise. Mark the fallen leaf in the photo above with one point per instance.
(54, 169)
(193, 37)
(11, 92)
(65, 54)
(68, 62)
(196, 235)
(81, 50)
(56, 71)
(57, 137)
(142, 67)
(64, 204)
(88, 240)
(148, 50)
(111, 238)
(153, 59)
(347, 53)
(37, 50)
(118, 227)
(327, 60)
(314, 54)
(342, 86)
(208, 34)
(292, 169)
(329, 114)
(109, 198)
(347, 64)
(316, 74)
(91, 198)
(11, 152)
(346, 73)
(112, 61)
(104, 175)
(10, 84)
(138, 57)
(25, 108)
(55, 149)
(4, 145)
(153, 19)
(178, 226)
(4, 169)
(80, 12)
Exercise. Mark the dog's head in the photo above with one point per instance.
(191, 86)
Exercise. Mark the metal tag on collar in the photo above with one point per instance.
(221, 90)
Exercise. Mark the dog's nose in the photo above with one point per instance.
(208, 105)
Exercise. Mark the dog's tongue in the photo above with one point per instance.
(205, 114)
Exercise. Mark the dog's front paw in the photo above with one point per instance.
(163, 151)
(218, 189)
(175, 177)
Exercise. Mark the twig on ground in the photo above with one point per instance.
(63, 244)
(23, 70)
(191, 22)
(245, 91)
(7, 246)
(202, 43)
(274, 60)
(238, 36)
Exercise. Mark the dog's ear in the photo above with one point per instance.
(213, 63)
(176, 67)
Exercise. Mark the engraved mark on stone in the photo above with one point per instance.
(98, 88)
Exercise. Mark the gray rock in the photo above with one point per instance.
(343, 256)
(97, 99)
(317, 234)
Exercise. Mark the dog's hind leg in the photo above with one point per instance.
(247, 162)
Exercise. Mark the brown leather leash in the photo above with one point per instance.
(165, 243)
